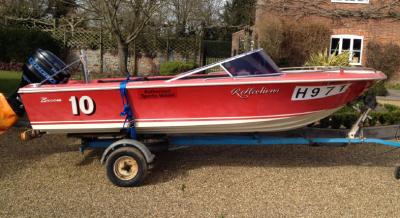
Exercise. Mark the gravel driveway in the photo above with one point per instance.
(48, 177)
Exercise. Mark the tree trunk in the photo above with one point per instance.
(123, 57)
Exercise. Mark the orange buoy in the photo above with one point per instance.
(7, 116)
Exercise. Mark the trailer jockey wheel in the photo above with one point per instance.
(370, 101)
(126, 167)
(397, 173)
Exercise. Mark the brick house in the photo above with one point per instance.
(354, 23)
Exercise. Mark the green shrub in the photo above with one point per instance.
(336, 121)
(324, 123)
(378, 89)
(395, 86)
(349, 119)
(346, 109)
(391, 119)
(325, 59)
(384, 57)
(391, 108)
(374, 119)
(290, 43)
(217, 48)
(17, 44)
(396, 117)
(383, 118)
(175, 67)
(347, 116)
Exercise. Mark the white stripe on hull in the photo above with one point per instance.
(220, 126)
(157, 120)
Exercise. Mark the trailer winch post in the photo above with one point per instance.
(357, 125)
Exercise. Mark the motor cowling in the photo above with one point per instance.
(44, 67)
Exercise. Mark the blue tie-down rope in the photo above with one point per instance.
(128, 110)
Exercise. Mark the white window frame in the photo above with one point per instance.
(351, 1)
(340, 49)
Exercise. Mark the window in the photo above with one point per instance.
(352, 1)
(350, 43)
(256, 63)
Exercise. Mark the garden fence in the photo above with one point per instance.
(94, 37)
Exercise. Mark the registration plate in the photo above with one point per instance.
(315, 92)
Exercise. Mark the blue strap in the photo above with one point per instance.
(128, 109)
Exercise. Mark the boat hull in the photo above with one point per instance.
(217, 126)
(248, 105)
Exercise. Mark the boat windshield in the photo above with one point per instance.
(253, 63)
(257, 63)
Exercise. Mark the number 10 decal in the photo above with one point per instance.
(86, 105)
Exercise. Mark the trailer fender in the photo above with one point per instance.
(128, 143)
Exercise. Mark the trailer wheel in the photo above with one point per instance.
(126, 167)
(397, 173)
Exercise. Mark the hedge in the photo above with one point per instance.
(17, 44)
(384, 57)
(290, 43)
(217, 49)
(346, 117)
(175, 67)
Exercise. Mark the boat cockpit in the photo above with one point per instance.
(250, 64)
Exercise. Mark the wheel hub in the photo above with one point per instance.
(126, 168)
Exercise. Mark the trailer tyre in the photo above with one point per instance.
(126, 167)
(397, 173)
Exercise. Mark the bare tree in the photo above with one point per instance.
(192, 15)
(211, 11)
(125, 19)
(23, 8)
(183, 11)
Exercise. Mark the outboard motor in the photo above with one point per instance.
(43, 67)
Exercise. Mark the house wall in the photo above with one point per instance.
(384, 30)
(236, 37)
(243, 40)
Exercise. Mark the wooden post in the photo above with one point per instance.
(135, 61)
(65, 37)
(200, 58)
(167, 51)
(168, 42)
(101, 48)
(54, 25)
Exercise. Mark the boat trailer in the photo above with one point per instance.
(127, 161)
(128, 158)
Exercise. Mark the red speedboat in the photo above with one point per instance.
(250, 94)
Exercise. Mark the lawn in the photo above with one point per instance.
(9, 81)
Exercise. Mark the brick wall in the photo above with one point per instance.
(146, 65)
(236, 37)
(110, 60)
(384, 30)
